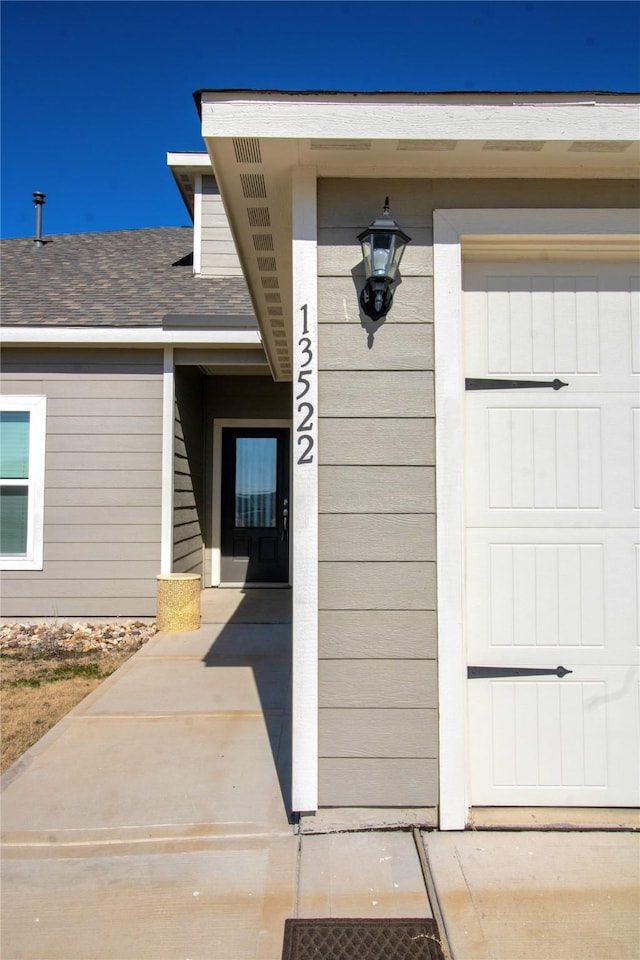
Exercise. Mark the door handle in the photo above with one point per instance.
(285, 520)
(486, 673)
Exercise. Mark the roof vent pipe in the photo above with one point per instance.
(39, 199)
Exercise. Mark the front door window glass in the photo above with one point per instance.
(256, 481)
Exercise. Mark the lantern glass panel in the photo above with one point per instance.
(383, 250)
(366, 254)
(398, 250)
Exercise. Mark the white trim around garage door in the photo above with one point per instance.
(605, 232)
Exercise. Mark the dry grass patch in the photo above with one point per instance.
(46, 671)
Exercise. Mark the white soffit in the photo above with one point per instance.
(544, 135)
(255, 139)
(185, 167)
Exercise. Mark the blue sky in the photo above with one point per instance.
(95, 93)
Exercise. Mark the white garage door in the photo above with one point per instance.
(552, 544)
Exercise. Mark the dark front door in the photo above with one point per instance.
(255, 505)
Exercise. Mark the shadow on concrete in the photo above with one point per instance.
(257, 634)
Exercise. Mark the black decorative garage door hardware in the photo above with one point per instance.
(488, 673)
(484, 383)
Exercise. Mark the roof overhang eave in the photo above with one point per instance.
(256, 139)
(17, 336)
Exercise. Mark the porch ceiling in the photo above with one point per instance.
(256, 139)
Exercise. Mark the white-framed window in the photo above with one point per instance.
(22, 452)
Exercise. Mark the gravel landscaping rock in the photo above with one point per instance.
(76, 637)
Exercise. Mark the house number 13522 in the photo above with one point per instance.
(304, 410)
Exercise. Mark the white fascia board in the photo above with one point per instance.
(120, 337)
(199, 160)
(299, 116)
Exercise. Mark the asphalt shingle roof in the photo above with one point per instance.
(115, 278)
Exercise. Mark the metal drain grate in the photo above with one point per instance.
(361, 940)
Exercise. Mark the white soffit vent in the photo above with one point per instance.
(340, 144)
(434, 145)
(515, 146)
(247, 150)
(253, 186)
(258, 216)
(267, 264)
(600, 146)
(262, 242)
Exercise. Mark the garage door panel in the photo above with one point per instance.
(549, 736)
(551, 458)
(552, 520)
(566, 319)
(548, 589)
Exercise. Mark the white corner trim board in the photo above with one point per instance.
(168, 432)
(453, 229)
(304, 444)
(197, 224)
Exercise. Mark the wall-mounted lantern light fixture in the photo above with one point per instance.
(383, 244)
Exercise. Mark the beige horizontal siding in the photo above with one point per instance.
(75, 388)
(218, 256)
(377, 586)
(89, 407)
(377, 684)
(188, 471)
(184, 500)
(376, 489)
(376, 451)
(187, 529)
(65, 588)
(134, 550)
(64, 608)
(113, 497)
(377, 625)
(338, 300)
(376, 394)
(381, 442)
(104, 363)
(119, 534)
(104, 425)
(95, 479)
(337, 250)
(102, 481)
(377, 537)
(354, 203)
(189, 561)
(377, 634)
(378, 733)
(90, 516)
(123, 445)
(347, 347)
(380, 782)
(115, 461)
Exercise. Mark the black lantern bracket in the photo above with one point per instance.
(383, 244)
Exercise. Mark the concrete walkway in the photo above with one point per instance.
(154, 822)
